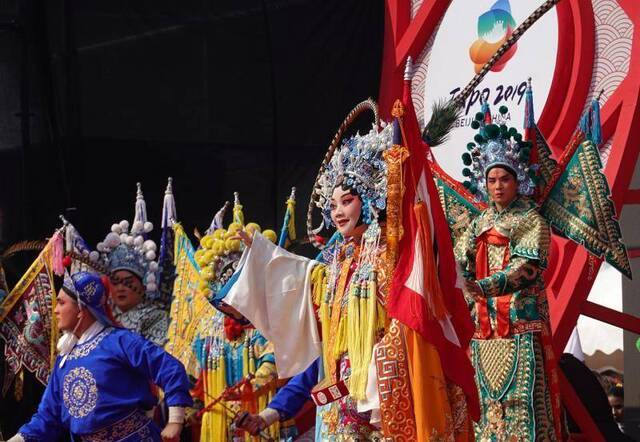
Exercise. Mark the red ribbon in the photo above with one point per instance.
(503, 302)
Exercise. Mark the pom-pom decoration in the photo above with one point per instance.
(496, 145)
(492, 131)
(270, 235)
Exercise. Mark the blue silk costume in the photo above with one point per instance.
(290, 399)
(103, 389)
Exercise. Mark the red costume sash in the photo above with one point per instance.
(503, 302)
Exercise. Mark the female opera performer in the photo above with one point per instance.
(334, 309)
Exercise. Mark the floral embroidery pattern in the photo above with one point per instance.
(79, 392)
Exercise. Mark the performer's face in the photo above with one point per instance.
(345, 212)
(617, 407)
(67, 311)
(127, 290)
(502, 187)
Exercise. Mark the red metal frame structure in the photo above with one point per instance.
(573, 270)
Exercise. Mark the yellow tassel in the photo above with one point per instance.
(220, 412)
(366, 332)
(318, 282)
(354, 342)
(371, 323)
(341, 339)
(324, 316)
(291, 207)
(245, 358)
(215, 421)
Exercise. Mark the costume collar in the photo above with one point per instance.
(91, 332)
(519, 202)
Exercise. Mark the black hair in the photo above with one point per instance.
(70, 294)
(503, 167)
(617, 391)
(382, 214)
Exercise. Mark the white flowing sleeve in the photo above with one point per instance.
(273, 291)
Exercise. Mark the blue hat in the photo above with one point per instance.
(89, 291)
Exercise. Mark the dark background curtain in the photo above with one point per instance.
(222, 96)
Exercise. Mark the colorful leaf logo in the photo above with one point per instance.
(494, 28)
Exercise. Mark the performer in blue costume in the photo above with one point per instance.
(287, 402)
(99, 388)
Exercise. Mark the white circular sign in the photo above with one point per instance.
(468, 36)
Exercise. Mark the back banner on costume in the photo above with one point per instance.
(191, 312)
(26, 320)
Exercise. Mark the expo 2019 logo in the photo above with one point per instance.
(494, 28)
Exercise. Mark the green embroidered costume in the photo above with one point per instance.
(512, 321)
(505, 253)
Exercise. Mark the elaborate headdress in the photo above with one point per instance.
(358, 164)
(497, 145)
(124, 249)
(219, 252)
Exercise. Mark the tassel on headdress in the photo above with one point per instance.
(238, 215)
(124, 249)
(288, 232)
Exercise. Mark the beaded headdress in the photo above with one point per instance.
(124, 249)
(356, 163)
(359, 165)
(497, 145)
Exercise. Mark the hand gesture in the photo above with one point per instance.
(473, 288)
(251, 423)
(171, 432)
(246, 238)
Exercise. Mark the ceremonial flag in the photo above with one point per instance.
(425, 294)
(27, 324)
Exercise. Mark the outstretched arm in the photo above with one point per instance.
(287, 402)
